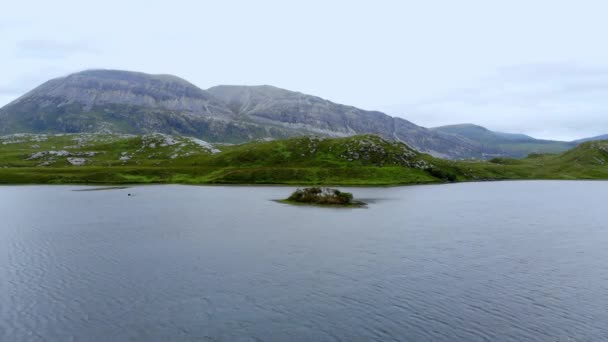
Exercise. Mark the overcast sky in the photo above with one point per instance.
(536, 67)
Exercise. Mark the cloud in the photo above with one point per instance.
(12, 88)
(543, 72)
(559, 101)
(10, 23)
(51, 49)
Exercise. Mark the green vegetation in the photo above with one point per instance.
(323, 196)
(358, 160)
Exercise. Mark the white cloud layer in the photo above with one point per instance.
(51, 49)
(558, 101)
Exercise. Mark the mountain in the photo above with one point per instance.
(507, 144)
(482, 134)
(268, 105)
(599, 137)
(138, 103)
(124, 102)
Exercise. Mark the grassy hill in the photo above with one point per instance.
(157, 158)
(586, 161)
(359, 160)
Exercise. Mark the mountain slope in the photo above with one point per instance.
(268, 105)
(506, 144)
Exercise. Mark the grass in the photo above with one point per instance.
(356, 161)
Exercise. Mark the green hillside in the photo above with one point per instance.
(92, 158)
(586, 161)
(358, 160)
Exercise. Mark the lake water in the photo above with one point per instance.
(503, 261)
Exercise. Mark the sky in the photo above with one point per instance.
(534, 67)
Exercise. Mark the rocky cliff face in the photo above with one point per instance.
(313, 115)
(293, 110)
(130, 102)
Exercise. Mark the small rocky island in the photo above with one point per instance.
(323, 196)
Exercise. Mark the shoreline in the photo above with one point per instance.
(118, 186)
(356, 204)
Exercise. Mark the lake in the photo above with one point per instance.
(496, 261)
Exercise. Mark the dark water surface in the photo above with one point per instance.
(507, 261)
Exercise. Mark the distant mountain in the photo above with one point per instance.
(482, 134)
(507, 144)
(130, 102)
(599, 137)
